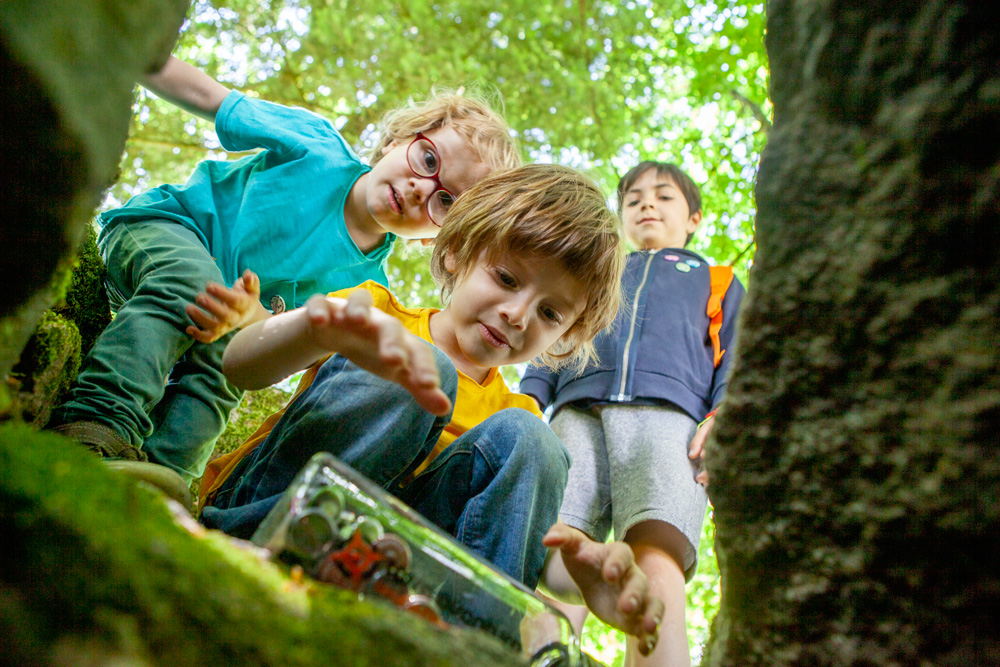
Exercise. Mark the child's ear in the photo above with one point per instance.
(449, 261)
(693, 222)
(389, 146)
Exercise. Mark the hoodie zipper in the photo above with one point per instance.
(631, 331)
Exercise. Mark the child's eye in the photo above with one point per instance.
(445, 198)
(505, 278)
(632, 202)
(551, 314)
(430, 161)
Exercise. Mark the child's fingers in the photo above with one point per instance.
(422, 374)
(634, 589)
(198, 334)
(394, 348)
(645, 611)
(223, 294)
(568, 540)
(433, 400)
(237, 297)
(653, 617)
(219, 310)
(251, 282)
(619, 561)
(423, 369)
(557, 536)
(697, 448)
(648, 631)
(319, 309)
(358, 308)
(201, 319)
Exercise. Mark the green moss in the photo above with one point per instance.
(56, 341)
(48, 364)
(95, 565)
(86, 301)
(63, 336)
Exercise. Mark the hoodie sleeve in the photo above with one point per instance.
(540, 384)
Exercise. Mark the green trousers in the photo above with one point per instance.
(145, 377)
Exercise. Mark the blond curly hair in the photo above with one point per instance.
(470, 112)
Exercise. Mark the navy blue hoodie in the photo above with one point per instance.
(659, 348)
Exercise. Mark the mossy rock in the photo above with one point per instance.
(62, 338)
(86, 301)
(69, 72)
(48, 364)
(97, 570)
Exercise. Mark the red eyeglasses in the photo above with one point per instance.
(424, 161)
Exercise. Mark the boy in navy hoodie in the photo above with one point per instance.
(636, 422)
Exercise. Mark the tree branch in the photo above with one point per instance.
(755, 109)
(745, 250)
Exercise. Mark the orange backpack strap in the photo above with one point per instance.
(721, 277)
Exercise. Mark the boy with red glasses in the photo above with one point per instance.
(304, 211)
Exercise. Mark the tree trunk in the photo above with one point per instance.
(856, 464)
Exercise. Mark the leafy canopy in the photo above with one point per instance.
(595, 85)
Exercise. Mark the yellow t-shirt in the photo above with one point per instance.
(474, 402)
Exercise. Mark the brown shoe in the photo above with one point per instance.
(101, 439)
(121, 455)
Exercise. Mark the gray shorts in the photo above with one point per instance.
(630, 465)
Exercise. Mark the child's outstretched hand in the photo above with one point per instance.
(378, 343)
(221, 309)
(697, 449)
(613, 586)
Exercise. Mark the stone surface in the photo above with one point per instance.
(69, 70)
(48, 364)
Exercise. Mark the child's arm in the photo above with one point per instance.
(727, 337)
(540, 384)
(271, 350)
(221, 309)
(187, 87)
(607, 578)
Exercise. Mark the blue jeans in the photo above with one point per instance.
(496, 489)
(154, 268)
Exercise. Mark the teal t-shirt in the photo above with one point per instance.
(279, 212)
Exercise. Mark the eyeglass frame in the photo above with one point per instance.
(436, 176)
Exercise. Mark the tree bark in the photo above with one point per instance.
(856, 463)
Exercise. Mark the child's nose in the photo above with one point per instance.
(423, 187)
(514, 312)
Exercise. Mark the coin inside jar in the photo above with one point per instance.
(311, 534)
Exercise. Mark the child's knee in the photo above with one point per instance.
(535, 445)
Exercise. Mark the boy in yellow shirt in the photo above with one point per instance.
(529, 262)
